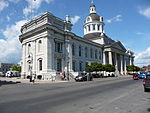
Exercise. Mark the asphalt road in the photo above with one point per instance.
(112, 95)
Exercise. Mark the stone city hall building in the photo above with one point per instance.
(49, 46)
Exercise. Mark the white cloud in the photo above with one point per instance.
(3, 4)
(14, 1)
(10, 47)
(114, 19)
(143, 58)
(75, 19)
(139, 33)
(8, 18)
(145, 12)
(33, 5)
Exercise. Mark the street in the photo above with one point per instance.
(111, 95)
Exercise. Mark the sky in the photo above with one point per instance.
(125, 20)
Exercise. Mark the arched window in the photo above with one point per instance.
(39, 45)
(98, 27)
(88, 19)
(93, 27)
(40, 64)
(89, 28)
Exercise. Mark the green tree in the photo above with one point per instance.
(109, 68)
(16, 68)
(95, 66)
(88, 68)
(141, 69)
(133, 68)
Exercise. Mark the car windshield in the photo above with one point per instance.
(82, 74)
(148, 77)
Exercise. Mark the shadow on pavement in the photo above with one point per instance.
(8, 82)
(148, 109)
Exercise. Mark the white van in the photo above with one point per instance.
(12, 74)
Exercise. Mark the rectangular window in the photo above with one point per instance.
(73, 50)
(74, 66)
(79, 50)
(91, 53)
(86, 52)
(93, 27)
(58, 47)
(40, 65)
(98, 27)
(80, 66)
(86, 64)
(99, 55)
(59, 65)
(95, 54)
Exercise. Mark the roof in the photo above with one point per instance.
(92, 35)
(92, 5)
(94, 17)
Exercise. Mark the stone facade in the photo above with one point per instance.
(49, 46)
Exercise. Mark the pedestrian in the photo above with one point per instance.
(33, 78)
(61, 75)
(64, 75)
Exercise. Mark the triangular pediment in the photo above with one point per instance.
(119, 46)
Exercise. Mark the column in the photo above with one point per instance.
(34, 58)
(121, 59)
(116, 62)
(50, 52)
(70, 56)
(130, 60)
(23, 72)
(104, 58)
(125, 64)
(110, 57)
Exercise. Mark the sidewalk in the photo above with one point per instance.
(27, 81)
(21, 80)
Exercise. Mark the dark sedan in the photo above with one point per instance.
(146, 83)
(84, 77)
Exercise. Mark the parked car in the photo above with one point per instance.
(12, 74)
(84, 77)
(135, 76)
(2, 74)
(142, 75)
(146, 83)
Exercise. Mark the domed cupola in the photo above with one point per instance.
(93, 23)
(92, 8)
